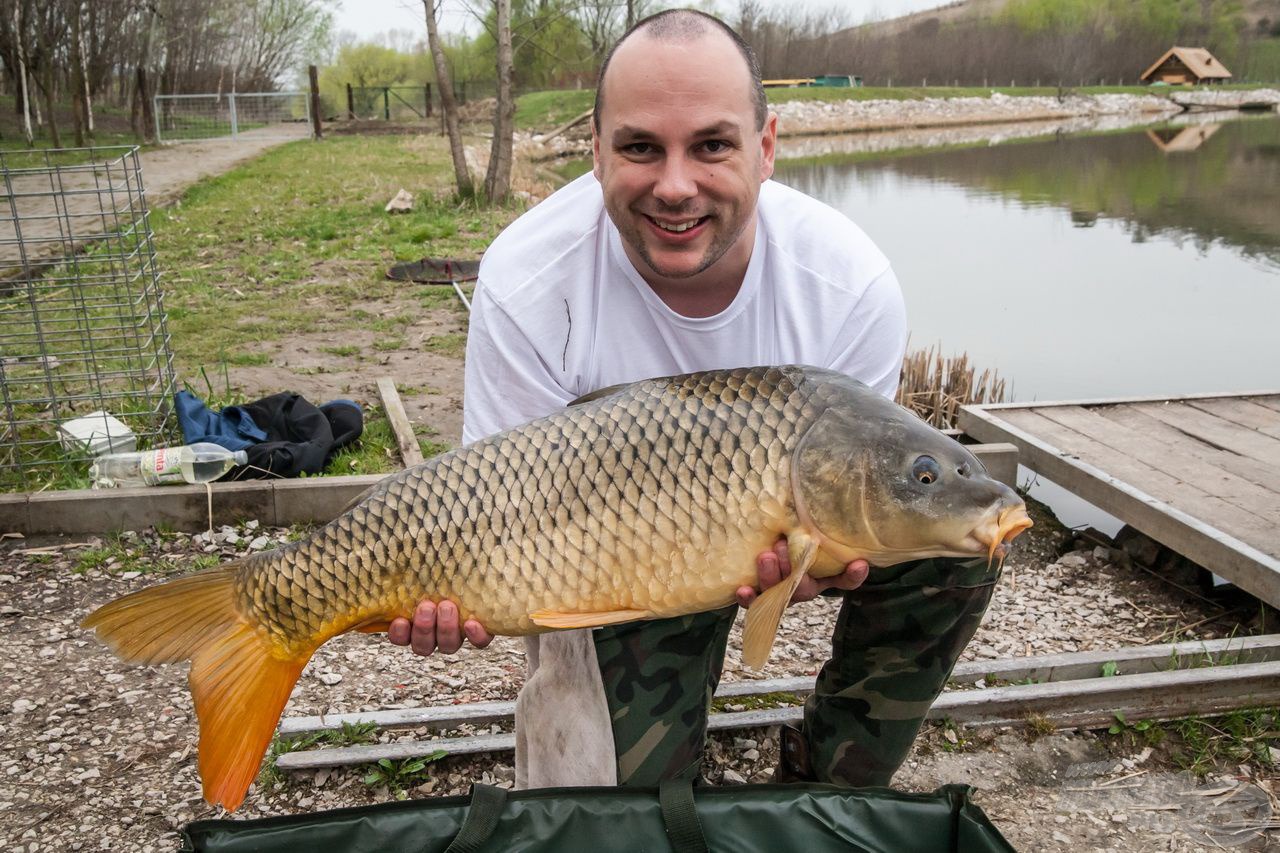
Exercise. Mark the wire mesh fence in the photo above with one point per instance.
(82, 321)
(261, 114)
(389, 103)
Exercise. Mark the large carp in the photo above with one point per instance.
(641, 501)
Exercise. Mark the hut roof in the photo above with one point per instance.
(1197, 59)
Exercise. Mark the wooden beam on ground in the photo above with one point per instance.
(1155, 682)
(410, 453)
(1042, 668)
(1090, 702)
(576, 120)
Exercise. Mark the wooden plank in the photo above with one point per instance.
(1216, 512)
(1159, 433)
(1148, 696)
(1270, 401)
(1091, 702)
(1257, 396)
(410, 453)
(1179, 460)
(1245, 413)
(1040, 668)
(1216, 431)
(1248, 567)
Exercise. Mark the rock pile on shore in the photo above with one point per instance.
(800, 117)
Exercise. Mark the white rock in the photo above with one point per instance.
(22, 706)
(401, 203)
(330, 678)
(259, 543)
(732, 777)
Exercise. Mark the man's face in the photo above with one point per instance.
(679, 156)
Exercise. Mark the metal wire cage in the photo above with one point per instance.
(82, 321)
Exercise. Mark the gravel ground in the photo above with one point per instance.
(98, 755)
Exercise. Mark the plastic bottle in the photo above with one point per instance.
(193, 463)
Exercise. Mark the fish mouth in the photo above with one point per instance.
(998, 530)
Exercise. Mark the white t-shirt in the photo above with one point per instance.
(559, 309)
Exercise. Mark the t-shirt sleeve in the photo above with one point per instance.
(505, 381)
(874, 338)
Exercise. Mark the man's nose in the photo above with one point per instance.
(676, 182)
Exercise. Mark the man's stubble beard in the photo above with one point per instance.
(633, 236)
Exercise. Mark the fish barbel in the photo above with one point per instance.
(641, 501)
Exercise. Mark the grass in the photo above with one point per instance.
(114, 556)
(351, 734)
(452, 345)
(252, 248)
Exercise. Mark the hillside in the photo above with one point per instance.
(969, 10)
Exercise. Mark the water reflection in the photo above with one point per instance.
(1083, 267)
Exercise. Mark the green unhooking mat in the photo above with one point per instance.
(675, 817)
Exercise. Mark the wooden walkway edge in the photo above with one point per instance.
(1200, 474)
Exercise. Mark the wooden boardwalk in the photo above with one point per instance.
(1198, 474)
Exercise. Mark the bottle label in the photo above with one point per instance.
(163, 465)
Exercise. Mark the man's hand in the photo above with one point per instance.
(774, 565)
(435, 626)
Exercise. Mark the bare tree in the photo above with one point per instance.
(448, 106)
(497, 180)
(24, 93)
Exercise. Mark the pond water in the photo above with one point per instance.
(1140, 262)
(1083, 266)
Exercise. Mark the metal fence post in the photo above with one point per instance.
(386, 103)
(351, 104)
(427, 87)
(155, 110)
(235, 127)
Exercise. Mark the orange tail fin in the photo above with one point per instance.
(239, 679)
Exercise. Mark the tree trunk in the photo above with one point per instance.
(77, 79)
(448, 107)
(84, 72)
(497, 180)
(24, 93)
(49, 97)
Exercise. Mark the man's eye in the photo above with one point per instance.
(715, 146)
(638, 148)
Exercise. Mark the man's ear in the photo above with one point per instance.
(768, 146)
(595, 150)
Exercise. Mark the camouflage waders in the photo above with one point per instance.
(895, 643)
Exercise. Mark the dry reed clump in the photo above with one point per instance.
(935, 387)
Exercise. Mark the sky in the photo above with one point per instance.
(369, 18)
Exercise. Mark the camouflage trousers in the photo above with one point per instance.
(896, 641)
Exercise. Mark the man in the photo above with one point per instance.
(678, 254)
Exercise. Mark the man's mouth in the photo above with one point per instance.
(677, 226)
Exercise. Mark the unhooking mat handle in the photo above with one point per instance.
(487, 803)
(680, 816)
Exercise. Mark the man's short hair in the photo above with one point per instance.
(686, 25)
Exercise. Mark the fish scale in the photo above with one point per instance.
(641, 501)
(515, 522)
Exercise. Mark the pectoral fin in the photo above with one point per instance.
(561, 619)
(765, 614)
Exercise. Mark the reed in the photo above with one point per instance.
(935, 387)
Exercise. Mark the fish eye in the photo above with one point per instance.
(926, 470)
